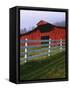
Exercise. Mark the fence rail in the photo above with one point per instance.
(32, 46)
(50, 47)
(29, 41)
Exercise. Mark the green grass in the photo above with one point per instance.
(47, 68)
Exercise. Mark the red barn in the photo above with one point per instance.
(44, 31)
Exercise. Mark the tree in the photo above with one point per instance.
(24, 30)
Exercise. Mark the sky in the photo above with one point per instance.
(29, 18)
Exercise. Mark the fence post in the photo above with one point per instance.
(49, 50)
(60, 45)
(26, 51)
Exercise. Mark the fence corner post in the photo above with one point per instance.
(49, 50)
(60, 45)
(26, 51)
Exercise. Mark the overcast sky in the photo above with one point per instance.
(30, 18)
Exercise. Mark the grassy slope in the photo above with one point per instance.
(52, 67)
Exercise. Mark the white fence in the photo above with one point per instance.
(49, 46)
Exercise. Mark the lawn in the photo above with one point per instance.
(46, 68)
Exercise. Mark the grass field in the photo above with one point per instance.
(48, 68)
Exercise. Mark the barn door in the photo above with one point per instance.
(44, 38)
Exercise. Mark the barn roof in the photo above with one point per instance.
(42, 22)
(43, 26)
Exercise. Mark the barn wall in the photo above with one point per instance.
(35, 35)
(55, 34)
